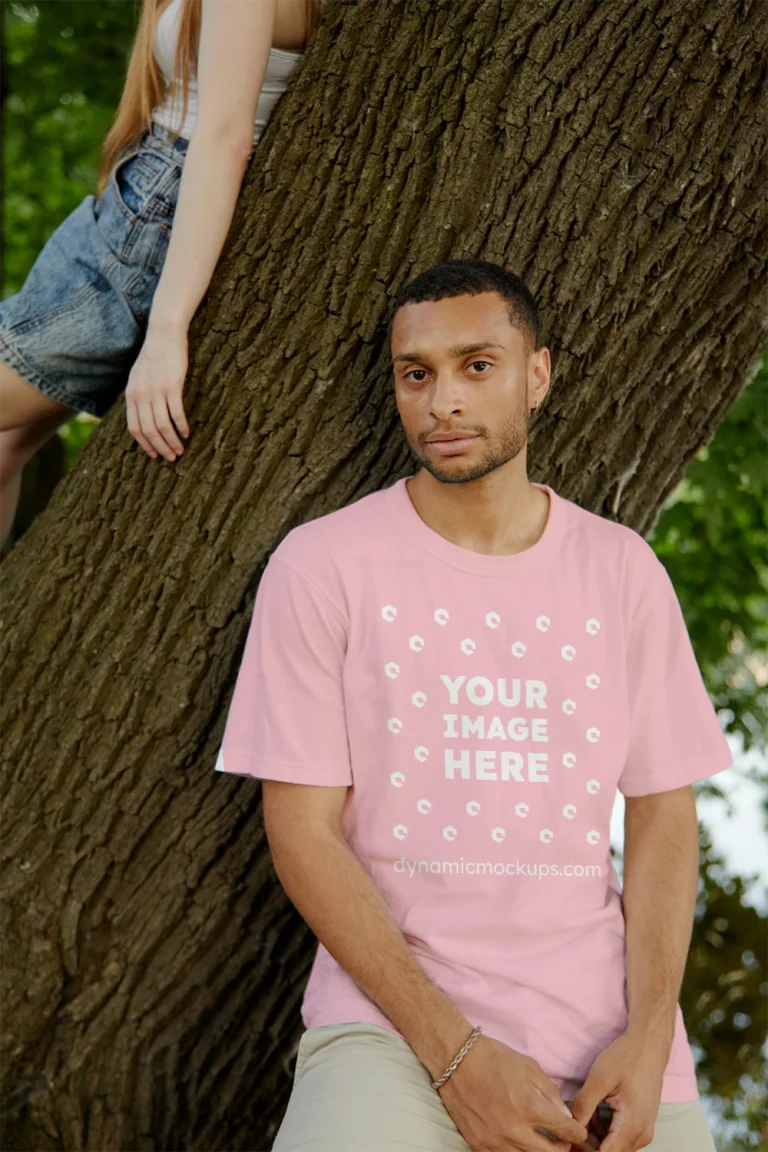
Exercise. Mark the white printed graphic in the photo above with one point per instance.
(498, 734)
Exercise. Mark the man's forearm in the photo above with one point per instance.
(339, 901)
(661, 865)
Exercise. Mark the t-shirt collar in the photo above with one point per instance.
(412, 528)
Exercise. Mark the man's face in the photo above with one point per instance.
(460, 365)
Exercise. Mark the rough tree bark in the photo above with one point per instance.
(613, 156)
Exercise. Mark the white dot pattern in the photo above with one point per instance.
(518, 649)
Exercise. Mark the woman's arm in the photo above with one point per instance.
(235, 39)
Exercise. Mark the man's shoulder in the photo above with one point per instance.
(626, 557)
(600, 532)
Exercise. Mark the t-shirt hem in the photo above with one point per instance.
(676, 1087)
(691, 772)
(679, 1088)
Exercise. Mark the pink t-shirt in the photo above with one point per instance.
(484, 709)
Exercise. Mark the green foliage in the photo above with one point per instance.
(712, 536)
(75, 433)
(63, 73)
(724, 999)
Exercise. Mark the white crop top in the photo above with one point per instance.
(280, 64)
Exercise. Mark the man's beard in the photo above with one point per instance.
(505, 446)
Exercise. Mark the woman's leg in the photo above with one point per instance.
(22, 404)
(27, 419)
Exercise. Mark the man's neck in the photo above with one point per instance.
(482, 515)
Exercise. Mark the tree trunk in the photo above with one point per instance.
(612, 154)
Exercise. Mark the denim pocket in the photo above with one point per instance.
(134, 217)
(145, 184)
(125, 189)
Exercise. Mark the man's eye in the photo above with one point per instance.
(423, 371)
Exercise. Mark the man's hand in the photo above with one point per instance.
(498, 1098)
(627, 1075)
(153, 393)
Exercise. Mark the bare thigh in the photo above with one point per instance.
(27, 419)
(22, 405)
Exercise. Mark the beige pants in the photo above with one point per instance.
(361, 1088)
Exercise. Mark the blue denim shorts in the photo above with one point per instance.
(78, 323)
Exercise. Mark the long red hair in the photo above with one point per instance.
(145, 84)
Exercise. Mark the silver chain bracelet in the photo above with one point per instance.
(457, 1059)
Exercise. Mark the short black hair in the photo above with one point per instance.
(462, 277)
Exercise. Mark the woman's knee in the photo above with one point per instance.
(19, 445)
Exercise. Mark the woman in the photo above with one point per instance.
(108, 302)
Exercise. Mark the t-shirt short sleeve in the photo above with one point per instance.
(287, 717)
(675, 737)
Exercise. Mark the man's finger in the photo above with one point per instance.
(586, 1100)
(623, 1133)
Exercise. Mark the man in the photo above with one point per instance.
(443, 685)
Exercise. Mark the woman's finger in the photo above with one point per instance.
(164, 425)
(132, 415)
(147, 420)
(177, 412)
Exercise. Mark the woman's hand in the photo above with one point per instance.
(153, 393)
